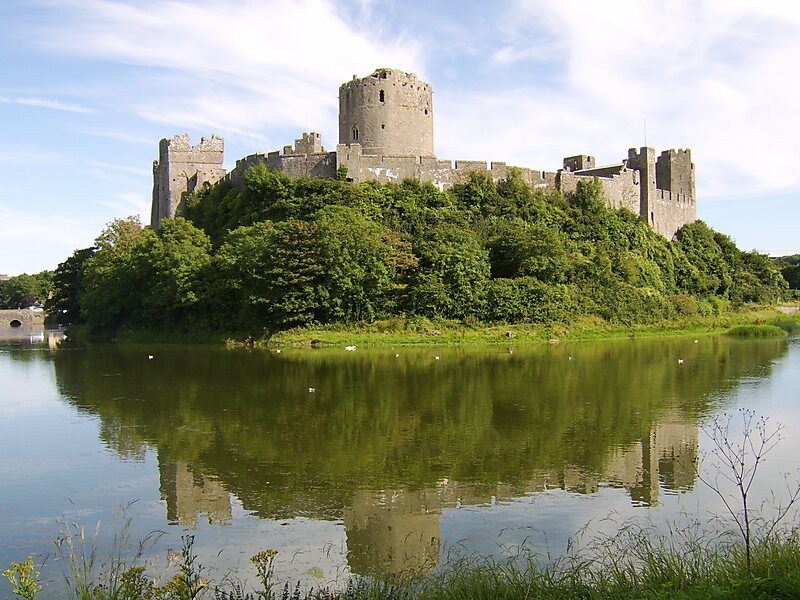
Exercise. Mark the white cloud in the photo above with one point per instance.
(113, 134)
(117, 168)
(229, 66)
(714, 76)
(46, 103)
(131, 203)
(14, 156)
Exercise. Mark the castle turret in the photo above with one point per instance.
(389, 113)
(667, 188)
(675, 172)
(644, 161)
(180, 169)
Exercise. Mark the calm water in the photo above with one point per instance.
(373, 462)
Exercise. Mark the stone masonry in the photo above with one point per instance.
(182, 168)
(386, 134)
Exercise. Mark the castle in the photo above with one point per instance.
(386, 134)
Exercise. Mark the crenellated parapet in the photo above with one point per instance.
(668, 197)
(180, 169)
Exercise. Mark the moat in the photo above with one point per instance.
(381, 463)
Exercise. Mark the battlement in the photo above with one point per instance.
(386, 75)
(308, 143)
(673, 152)
(675, 172)
(181, 143)
(182, 168)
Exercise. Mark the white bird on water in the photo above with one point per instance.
(680, 361)
(349, 348)
(312, 390)
(149, 357)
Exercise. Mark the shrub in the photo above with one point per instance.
(684, 305)
(756, 331)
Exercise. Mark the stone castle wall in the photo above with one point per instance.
(669, 211)
(180, 169)
(386, 134)
(675, 172)
(621, 189)
(388, 113)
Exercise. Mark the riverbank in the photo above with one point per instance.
(418, 331)
(402, 331)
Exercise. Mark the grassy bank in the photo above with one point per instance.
(402, 331)
(756, 331)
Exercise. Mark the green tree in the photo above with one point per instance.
(711, 273)
(294, 275)
(65, 303)
(112, 286)
(478, 195)
(171, 264)
(792, 276)
(758, 279)
(241, 293)
(336, 268)
(25, 290)
(355, 264)
(519, 248)
(453, 274)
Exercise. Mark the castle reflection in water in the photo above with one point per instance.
(393, 533)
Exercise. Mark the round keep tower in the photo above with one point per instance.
(390, 113)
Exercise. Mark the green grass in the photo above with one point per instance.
(756, 331)
(400, 331)
(420, 331)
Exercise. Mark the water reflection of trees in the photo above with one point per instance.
(385, 440)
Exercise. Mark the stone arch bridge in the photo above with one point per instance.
(23, 316)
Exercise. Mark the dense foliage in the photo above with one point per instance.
(790, 269)
(284, 252)
(25, 290)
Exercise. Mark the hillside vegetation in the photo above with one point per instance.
(790, 269)
(284, 252)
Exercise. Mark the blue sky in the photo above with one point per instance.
(88, 87)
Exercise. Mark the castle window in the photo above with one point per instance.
(426, 111)
(383, 125)
(382, 97)
(355, 133)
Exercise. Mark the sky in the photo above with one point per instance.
(89, 87)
